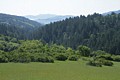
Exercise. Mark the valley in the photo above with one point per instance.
(80, 47)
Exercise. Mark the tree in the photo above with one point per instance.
(73, 58)
(84, 50)
(3, 57)
(61, 57)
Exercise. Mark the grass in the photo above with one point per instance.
(68, 70)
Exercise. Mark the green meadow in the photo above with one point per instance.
(60, 70)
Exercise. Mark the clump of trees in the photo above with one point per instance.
(100, 62)
(84, 51)
(26, 51)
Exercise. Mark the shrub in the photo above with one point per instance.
(95, 63)
(107, 63)
(22, 57)
(85, 59)
(61, 57)
(98, 53)
(84, 50)
(73, 58)
(46, 59)
(107, 57)
(24, 60)
(99, 62)
(3, 57)
(116, 58)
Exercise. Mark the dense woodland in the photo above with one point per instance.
(25, 51)
(95, 31)
(95, 37)
(17, 26)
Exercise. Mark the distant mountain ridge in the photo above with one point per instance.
(17, 26)
(18, 21)
(48, 18)
(106, 13)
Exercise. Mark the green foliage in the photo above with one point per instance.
(95, 31)
(98, 53)
(57, 48)
(61, 57)
(21, 57)
(85, 59)
(102, 54)
(116, 58)
(25, 51)
(70, 51)
(73, 58)
(16, 26)
(7, 44)
(84, 50)
(95, 63)
(46, 59)
(107, 63)
(3, 57)
(99, 62)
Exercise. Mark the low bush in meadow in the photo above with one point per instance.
(73, 58)
(61, 57)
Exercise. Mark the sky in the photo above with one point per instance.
(59, 7)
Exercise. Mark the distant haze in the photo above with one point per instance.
(60, 7)
(47, 18)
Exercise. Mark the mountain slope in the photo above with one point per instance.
(47, 18)
(17, 26)
(95, 31)
(117, 12)
(18, 21)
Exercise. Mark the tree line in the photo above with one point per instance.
(95, 31)
(25, 51)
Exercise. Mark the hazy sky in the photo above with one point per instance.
(61, 7)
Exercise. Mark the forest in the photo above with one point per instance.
(93, 38)
(25, 51)
(96, 31)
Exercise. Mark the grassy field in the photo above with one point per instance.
(67, 70)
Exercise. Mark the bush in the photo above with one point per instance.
(34, 58)
(99, 62)
(73, 58)
(95, 63)
(21, 57)
(98, 53)
(116, 58)
(107, 57)
(46, 59)
(84, 50)
(61, 57)
(3, 57)
(107, 63)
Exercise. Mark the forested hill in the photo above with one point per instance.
(17, 26)
(18, 21)
(95, 31)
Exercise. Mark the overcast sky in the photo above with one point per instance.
(61, 7)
